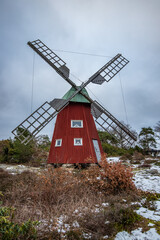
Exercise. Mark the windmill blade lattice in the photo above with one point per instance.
(34, 123)
(109, 70)
(52, 59)
(110, 124)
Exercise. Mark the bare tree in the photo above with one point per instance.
(157, 130)
(121, 135)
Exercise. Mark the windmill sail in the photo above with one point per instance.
(58, 103)
(109, 70)
(110, 124)
(34, 123)
(52, 59)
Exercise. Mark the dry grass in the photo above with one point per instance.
(144, 165)
(76, 194)
(149, 161)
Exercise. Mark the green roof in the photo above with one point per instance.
(78, 97)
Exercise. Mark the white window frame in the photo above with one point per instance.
(72, 126)
(79, 144)
(56, 143)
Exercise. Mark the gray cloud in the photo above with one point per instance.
(100, 27)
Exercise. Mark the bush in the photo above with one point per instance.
(22, 153)
(10, 230)
(157, 163)
(111, 177)
(112, 150)
(138, 156)
(126, 156)
(74, 235)
(108, 221)
(13, 151)
(123, 217)
(5, 147)
(149, 161)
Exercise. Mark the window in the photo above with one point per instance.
(78, 142)
(58, 143)
(76, 123)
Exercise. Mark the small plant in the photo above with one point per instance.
(152, 196)
(157, 226)
(12, 231)
(127, 217)
(149, 201)
(157, 163)
(74, 235)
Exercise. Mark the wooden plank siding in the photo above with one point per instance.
(68, 153)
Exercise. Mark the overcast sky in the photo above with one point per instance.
(99, 27)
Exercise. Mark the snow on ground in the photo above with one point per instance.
(148, 179)
(138, 235)
(15, 169)
(113, 159)
(144, 181)
(146, 213)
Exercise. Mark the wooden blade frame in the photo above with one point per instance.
(109, 70)
(109, 123)
(52, 59)
(34, 123)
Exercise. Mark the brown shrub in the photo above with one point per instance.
(126, 156)
(149, 161)
(138, 156)
(135, 162)
(110, 178)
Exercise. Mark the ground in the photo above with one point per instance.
(146, 178)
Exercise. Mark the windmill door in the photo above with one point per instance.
(97, 150)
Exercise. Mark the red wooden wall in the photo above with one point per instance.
(68, 153)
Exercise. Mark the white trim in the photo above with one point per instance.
(60, 143)
(79, 143)
(76, 126)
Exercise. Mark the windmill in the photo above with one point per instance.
(75, 136)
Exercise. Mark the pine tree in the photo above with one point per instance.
(147, 138)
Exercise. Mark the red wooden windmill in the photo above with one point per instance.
(75, 136)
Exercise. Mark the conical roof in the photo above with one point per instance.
(78, 97)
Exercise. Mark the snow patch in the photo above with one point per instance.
(146, 182)
(138, 235)
(113, 159)
(146, 213)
